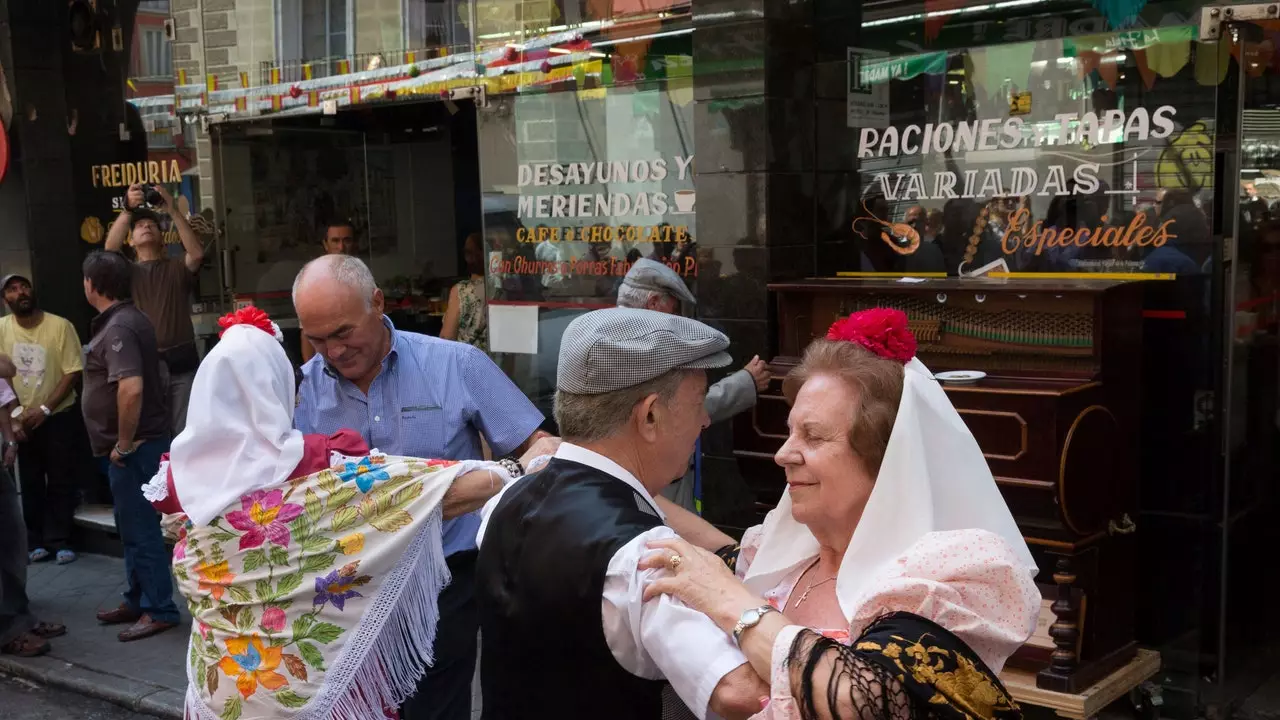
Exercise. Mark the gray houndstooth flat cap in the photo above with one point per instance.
(617, 348)
(649, 274)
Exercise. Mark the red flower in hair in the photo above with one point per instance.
(883, 331)
(250, 315)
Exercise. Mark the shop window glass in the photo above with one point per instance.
(581, 177)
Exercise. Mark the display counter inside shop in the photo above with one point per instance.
(1046, 375)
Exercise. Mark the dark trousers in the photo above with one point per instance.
(50, 463)
(15, 614)
(444, 693)
(146, 559)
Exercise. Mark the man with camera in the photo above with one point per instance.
(162, 286)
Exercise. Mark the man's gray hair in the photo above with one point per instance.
(591, 418)
(346, 270)
(638, 298)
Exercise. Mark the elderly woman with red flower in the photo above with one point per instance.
(891, 580)
(312, 565)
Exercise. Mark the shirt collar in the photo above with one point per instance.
(592, 459)
(101, 320)
(396, 341)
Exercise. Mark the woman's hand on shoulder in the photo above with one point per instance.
(699, 579)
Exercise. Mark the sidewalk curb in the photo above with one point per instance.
(138, 696)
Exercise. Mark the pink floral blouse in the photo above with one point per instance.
(968, 581)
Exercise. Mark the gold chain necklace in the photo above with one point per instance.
(805, 595)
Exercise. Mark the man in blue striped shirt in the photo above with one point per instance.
(415, 395)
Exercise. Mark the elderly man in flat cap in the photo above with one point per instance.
(565, 631)
(651, 285)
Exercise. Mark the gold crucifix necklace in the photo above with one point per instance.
(805, 595)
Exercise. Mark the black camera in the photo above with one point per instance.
(151, 196)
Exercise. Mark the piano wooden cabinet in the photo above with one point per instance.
(1056, 417)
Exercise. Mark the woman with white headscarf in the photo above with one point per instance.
(891, 581)
(311, 565)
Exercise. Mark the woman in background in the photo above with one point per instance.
(466, 319)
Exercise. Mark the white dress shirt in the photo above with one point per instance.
(657, 639)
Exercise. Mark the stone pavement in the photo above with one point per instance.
(146, 675)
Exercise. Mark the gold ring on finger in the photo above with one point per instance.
(674, 561)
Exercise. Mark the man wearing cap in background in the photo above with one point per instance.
(566, 632)
(651, 285)
(46, 352)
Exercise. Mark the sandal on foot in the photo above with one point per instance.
(38, 555)
(26, 645)
(66, 556)
(49, 630)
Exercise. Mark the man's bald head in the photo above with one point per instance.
(340, 310)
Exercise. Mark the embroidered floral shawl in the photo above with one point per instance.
(316, 598)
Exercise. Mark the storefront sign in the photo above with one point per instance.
(587, 205)
(995, 133)
(1022, 234)
(122, 175)
(867, 101)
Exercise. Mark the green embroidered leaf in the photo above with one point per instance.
(301, 528)
(391, 522)
(313, 505)
(193, 654)
(328, 481)
(290, 699)
(301, 626)
(279, 556)
(244, 620)
(318, 545)
(311, 654)
(180, 572)
(231, 709)
(206, 604)
(344, 518)
(254, 559)
(264, 589)
(288, 584)
(223, 536)
(318, 563)
(211, 650)
(279, 642)
(406, 495)
(239, 594)
(342, 496)
(282, 604)
(324, 633)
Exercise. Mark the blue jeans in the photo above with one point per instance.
(146, 559)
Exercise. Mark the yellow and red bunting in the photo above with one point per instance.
(275, 76)
(306, 71)
(410, 57)
(182, 77)
(242, 103)
(244, 80)
(211, 82)
(355, 94)
(313, 98)
(344, 67)
(277, 102)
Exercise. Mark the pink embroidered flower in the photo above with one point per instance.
(883, 331)
(263, 516)
(180, 548)
(273, 619)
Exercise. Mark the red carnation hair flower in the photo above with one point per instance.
(252, 316)
(883, 331)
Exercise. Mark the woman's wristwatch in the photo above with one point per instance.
(750, 619)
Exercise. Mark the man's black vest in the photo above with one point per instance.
(539, 583)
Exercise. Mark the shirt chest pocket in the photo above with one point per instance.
(422, 431)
